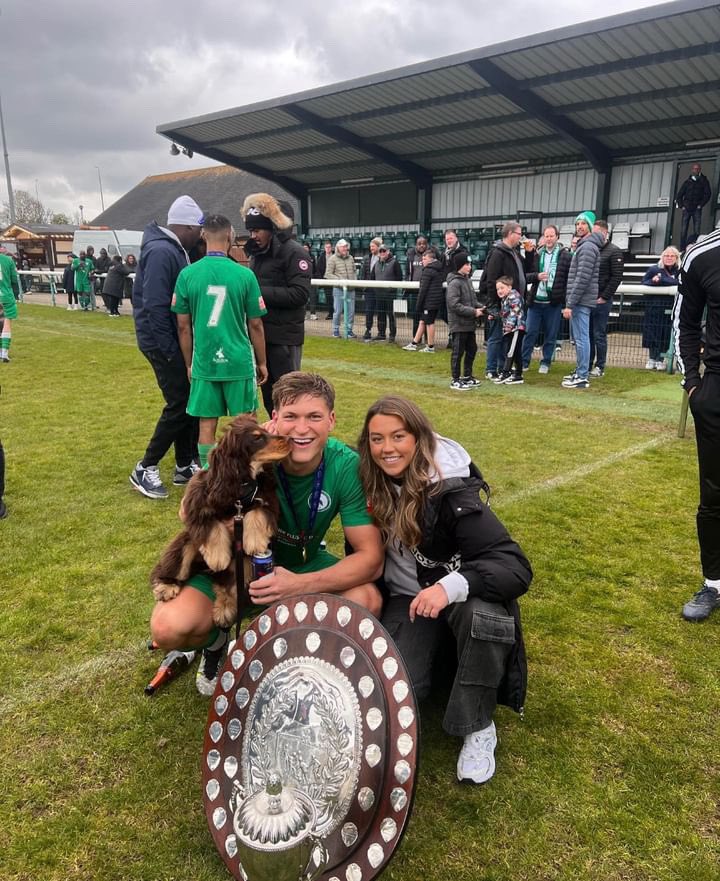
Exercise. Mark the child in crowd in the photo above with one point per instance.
(428, 303)
(512, 314)
(463, 312)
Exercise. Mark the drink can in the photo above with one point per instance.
(262, 564)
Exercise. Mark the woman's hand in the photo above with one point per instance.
(429, 602)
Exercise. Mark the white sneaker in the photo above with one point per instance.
(476, 762)
(429, 350)
(211, 663)
(651, 364)
(543, 368)
(313, 316)
(69, 308)
(660, 365)
(411, 347)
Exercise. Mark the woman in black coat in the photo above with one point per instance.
(657, 318)
(452, 572)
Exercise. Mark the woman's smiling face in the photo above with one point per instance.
(392, 446)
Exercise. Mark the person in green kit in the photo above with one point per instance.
(219, 311)
(83, 286)
(318, 480)
(9, 290)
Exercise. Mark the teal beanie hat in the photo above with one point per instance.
(588, 217)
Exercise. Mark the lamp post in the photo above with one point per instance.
(11, 195)
(102, 200)
(82, 219)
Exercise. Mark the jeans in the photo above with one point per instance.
(484, 635)
(687, 216)
(174, 426)
(493, 338)
(580, 326)
(545, 317)
(598, 334)
(370, 309)
(340, 297)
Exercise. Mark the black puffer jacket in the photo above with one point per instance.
(694, 193)
(503, 260)
(283, 273)
(430, 295)
(610, 273)
(456, 521)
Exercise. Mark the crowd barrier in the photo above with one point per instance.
(629, 315)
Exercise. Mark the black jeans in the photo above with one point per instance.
(2, 471)
(385, 312)
(484, 635)
(174, 426)
(370, 307)
(464, 343)
(280, 360)
(705, 406)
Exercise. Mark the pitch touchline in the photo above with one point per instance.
(582, 471)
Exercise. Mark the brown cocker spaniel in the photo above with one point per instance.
(240, 470)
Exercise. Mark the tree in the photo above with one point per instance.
(59, 218)
(28, 209)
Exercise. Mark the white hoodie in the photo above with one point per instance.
(451, 460)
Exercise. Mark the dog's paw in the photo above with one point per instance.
(217, 550)
(256, 532)
(164, 592)
(224, 607)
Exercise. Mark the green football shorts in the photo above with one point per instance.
(10, 308)
(211, 400)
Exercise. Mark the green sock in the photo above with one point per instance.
(204, 451)
(5, 343)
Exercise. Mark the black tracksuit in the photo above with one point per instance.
(698, 290)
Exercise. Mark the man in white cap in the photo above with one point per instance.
(163, 253)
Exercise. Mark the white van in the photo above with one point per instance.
(115, 241)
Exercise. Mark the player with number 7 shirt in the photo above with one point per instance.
(219, 309)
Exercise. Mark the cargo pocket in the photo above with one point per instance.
(491, 638)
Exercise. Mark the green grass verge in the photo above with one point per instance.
(613, 773)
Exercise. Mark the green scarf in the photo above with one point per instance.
(545, 286)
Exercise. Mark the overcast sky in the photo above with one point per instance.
(84, 84)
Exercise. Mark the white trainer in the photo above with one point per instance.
(651, 364)
(476, 762)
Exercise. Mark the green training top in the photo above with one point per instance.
(219, 295)
(341, 492)
(8, 275)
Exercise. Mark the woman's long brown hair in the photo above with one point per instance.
(399, 515)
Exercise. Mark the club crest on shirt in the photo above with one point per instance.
(325, 501)
(219, 357)
(261, 303)
(304, 265)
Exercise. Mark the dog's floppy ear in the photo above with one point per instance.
(230, 457)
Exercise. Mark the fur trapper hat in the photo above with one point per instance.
(262, 211)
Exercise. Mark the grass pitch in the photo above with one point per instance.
(612, 775)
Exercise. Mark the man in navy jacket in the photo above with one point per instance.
(163, 253)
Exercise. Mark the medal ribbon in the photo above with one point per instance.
(314, 503)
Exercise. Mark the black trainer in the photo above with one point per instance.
(211, 660)
(705, 601)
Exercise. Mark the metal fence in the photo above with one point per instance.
(637, 312)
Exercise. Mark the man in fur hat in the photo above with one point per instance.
(283, 272)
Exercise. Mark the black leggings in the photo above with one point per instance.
(512, 350)
(72, 294)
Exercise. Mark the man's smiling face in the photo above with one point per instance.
(307, 424)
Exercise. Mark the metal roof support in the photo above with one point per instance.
(602, 195)
(293, 186)
(421, 177)
(593, 150)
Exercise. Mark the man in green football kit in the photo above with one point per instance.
(317, 481)
(83, 286)
(219, 311)
(9, 288)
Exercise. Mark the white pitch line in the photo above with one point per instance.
(582, 471)
(48, 688)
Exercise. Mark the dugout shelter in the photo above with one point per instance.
(608, 114)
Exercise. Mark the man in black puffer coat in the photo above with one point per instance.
(610, 273)
(283, 271)
(430, 297)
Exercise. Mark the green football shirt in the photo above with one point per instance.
(219, 295)
(8, 274)
(341, 493)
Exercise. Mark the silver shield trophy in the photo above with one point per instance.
(311, 746)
